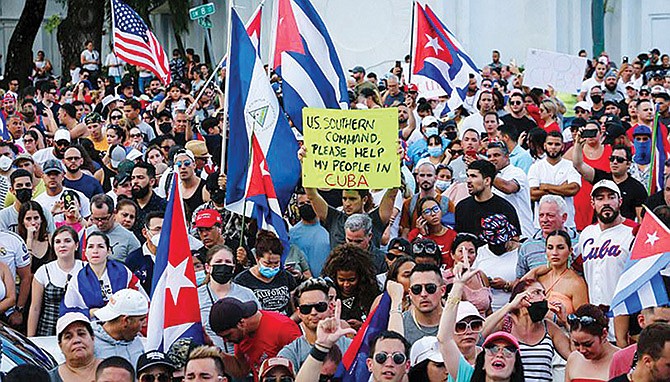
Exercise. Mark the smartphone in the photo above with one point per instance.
(290, 264)
(471, 153)
(483, 135)
(68, 200)
(397, 64)
(624, 59)
(589, 133)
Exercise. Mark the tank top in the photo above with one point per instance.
(107, 181)
(536, 359)
(582, 200)
(479, 297)
(194, 201)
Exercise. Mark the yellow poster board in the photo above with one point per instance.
(351, 149)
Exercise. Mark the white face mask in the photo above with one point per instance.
(5, 163)
(155, 239)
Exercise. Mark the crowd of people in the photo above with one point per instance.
(500, 251)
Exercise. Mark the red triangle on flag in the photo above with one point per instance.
(652, 238)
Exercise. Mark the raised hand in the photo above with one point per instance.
(330, 330)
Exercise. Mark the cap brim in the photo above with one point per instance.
(156, 363)
(106, 313)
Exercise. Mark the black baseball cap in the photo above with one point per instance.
(153, 358)
(400, 244)
(228, 312)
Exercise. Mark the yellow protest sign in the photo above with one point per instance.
(351, 149)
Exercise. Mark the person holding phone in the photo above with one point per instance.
(429, 225)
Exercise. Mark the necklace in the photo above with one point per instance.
(418, 326)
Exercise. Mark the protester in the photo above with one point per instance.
(115, 369)
(75, 340)
(652, 352)
(477, 290)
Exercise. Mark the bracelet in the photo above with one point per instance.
(321, 347)
(317, 354)
(395, 311)
(453, 300)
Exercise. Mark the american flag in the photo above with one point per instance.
(134, 42)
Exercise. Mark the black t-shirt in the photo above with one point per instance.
(521, 124)
(633, 193)
(275, 295)
(655, 200)
(621, 378)
(470, 213)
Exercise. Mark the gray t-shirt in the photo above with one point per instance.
(207, 298)
(123, 242)
(413, 332)
(9, 219)
(298, 350)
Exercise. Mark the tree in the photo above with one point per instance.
(83, 22)
(19, 62)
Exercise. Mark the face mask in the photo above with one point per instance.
(165, 127)
(431, 131)
(307, 212)
(222, 273)
(451, 135)
(642, 152)
(537, 310)
(267, 272)
(498, 249)
(200, 277)
(451, 114)
(596, 98)
(435, 151)
(155, 239)
(24, 195)
(442, 185)
(5, 163)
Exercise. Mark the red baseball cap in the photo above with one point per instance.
(207, 218)
(504, 336)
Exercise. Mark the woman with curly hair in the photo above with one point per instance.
(354, 275)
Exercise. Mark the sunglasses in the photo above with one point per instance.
(185, 163)
(115, 117)
(398, 358)
(573, 320)
(283, 378)
(418, 288)
(135, 135)
(456, 152)
(154, 377)
(516, 103)
(392, 257)
(508, 351)
(475, 326)
(618, 159)
(428, 247)
(431, 211)
(319, 306)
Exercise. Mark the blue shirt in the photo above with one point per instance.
(314, 241)
(87, 185)
(521, 158)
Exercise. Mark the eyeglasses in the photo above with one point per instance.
(428, 247)
(283, 378)
(573, 320)
(186, 163)
(417, 288)
(161, 377)
(320, 307)
(165, 147)
(431, 211)
(102, 219)
(14, 83)
(69, 159)
(28, 140)
(136, 135)
(456, 152)
(618, 159)
(391, 257)
(475, 326)
(515, 103)
(115, 117)
(508, 351)
(398, 358)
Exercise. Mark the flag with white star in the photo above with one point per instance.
(174, 312)
(641, 283)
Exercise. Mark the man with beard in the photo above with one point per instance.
(653, 355)
(482, 202)
(554, 175)
(605, 245)
(406, 121)
(471, 95)
(611, 92)
(358, 73)
(476, 121)
(61, 143)
(596, 80)
(425, 293)
(52, 175)
(518, 116)
(309, 235)
(122, 242)
(75, 178)
(142, 180)
(43, 122)
(425, 178)
(155, 90)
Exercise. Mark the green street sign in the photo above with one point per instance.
(205, 22)
(201, 11)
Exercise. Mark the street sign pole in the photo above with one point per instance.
(201, 14)
(208, 40)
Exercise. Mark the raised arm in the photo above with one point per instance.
(318, 203)
(578, 160)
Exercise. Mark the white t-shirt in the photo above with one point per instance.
(91, 56)
(587, 85)
(543, 172)
(57, 276)
(13, 251)
(503, 266)
(47, 202)
(473, 121)
(114, 71)
(520, 200)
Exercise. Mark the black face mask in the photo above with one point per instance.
(596, 98)
(498, 249)
(24, 195)
(451, 135)
(165, 127)
(307, 212)
(537, 310)
(222, 273)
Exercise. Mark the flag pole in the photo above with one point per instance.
(202, 89)
(654, 132)
(411, 45)
(224, 129)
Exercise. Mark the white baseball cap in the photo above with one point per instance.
(70, 318)
(608, 184)
(467, 309)
(126, 302)
(429, 120)
(62, 135)
(582, 105)
(425, 348)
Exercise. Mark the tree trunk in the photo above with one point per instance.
(83, 22)
(19, 52)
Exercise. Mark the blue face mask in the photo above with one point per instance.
(442, 184)
(642, 152)
(267, 272)
(200, 277)
(435, 151)
(431, 131)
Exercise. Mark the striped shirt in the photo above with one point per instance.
(536, 359)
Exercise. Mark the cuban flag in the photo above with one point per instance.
(4, 132)
(353, 367)
(641, 284)
(661, 152)
(439, 60)
(174, 311)
(253, 27)
(263, 166)
(305, 58)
